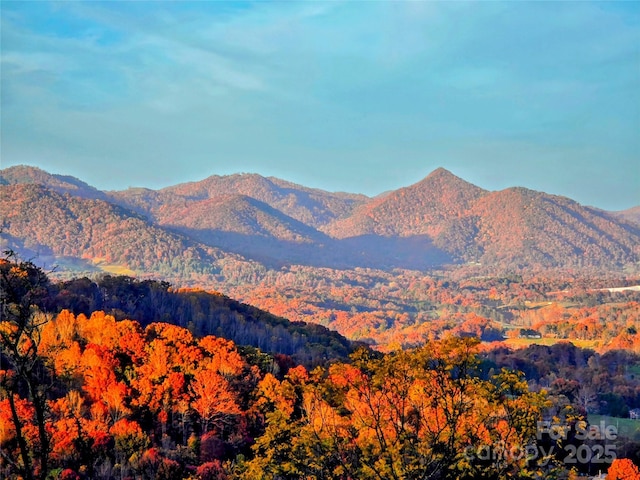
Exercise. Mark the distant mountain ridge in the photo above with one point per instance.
(60, 226)
(425, 208)
(22, 174)
(440, 220)
(311, 206)
(631, 214)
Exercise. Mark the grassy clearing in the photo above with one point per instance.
(112, 268)
(117, 269)
(626, 427)
(525, 342)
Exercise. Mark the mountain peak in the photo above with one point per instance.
(441, 184)
(442, 176)
(427, 207)
(25, 174)
(441, 172)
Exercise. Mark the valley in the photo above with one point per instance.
(390, 270)
(222, 316)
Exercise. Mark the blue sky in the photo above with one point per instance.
(358, 96)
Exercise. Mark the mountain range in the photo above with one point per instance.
(202, 228)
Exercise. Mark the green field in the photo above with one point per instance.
(626, 427)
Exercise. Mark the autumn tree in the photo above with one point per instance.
(279, 451)
(22, 287)
(623, 469)
(213, 399)
(420, 414)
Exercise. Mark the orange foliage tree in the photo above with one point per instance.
(418, 414)
(21, 284)
(623, 469)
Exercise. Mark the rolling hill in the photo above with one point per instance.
(190, 228)
(310, 206)
(243, 225)
(632, 215)
(529, 228)
(60, 228)
(23, 174)
(513, 228)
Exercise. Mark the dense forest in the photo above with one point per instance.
(403, 308)
(440, 257)
(190, 231)
(201, 312)
(119, 379)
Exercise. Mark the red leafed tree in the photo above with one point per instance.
(224, 356)
(21, 286)
(214, 400)
(623, 469)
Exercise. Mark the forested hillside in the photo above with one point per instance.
(90, 396)
(439, 221)
(202, 313)
(55, 225)
(511, 229)
(392, 270)
(60, 183)
(310, 206)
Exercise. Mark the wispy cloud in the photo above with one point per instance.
(323, 92)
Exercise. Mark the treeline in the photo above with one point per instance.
(611, 325)
(404, 308)
(91, 397)
(593, 383)
(202, 313)
(117, 401)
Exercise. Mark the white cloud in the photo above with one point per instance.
(286, 85)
